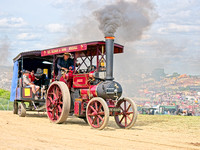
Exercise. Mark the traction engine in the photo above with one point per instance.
(91, 94)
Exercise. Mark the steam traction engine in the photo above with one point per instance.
(89, 90)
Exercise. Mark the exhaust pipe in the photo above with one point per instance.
(109, 57)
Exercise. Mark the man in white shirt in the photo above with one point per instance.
(27, 83)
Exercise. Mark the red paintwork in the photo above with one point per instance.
(65, 49)
(81, 81)
(54, 102)
(67, 78)
(76, 108)
(79, 48)
(111, 103)
(79, 109)
(92, 91)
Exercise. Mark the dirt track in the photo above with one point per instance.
(150, 132)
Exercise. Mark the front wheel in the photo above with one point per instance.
(97, 113)
(127, 116)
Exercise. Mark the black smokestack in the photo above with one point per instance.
(109, 57)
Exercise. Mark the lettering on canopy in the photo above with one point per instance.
(66, 49)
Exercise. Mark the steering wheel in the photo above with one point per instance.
(63, 71)
(91, 68)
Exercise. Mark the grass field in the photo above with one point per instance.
(171, 123)
(150, 132)
(5, 100)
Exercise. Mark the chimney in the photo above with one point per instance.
(109, 57)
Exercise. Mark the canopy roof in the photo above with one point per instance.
(89, 46)
(28, 54)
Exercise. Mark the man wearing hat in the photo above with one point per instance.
(66, 63)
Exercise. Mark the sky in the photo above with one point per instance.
(172, 41)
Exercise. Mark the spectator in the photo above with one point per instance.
(32, 77)
(27, 83)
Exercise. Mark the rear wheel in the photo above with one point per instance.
(127, 116)
(97, 113)
(58, 102)
(22, 110)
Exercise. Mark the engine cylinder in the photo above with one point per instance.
(109, 90)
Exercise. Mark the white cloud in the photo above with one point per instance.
(28, 36)
(64, 3)
(146, 36)
(183, 28)
(150, 43)
(12, 22)
(172, 27)
(55, 27)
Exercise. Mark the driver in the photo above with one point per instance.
(66, 63)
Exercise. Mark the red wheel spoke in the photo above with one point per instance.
(101, 113)
(98, 122)
(50, 114)
(128, 113)
(57, 116)
(49, 110)
(55, 97)
(100, 106)
(91, 115)
(50, 99)
(53, 114)
(100, 117)
(121, 119)
(125, 121)
(54, 90)
(59, 108)
(129, 118)
(124, 105)
(48, 104)
(59, 99)
(57, 90)
(93, 108)
(94, 119)
(96, 106)
(128, 107)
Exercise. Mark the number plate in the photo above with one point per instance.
(115, 109)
